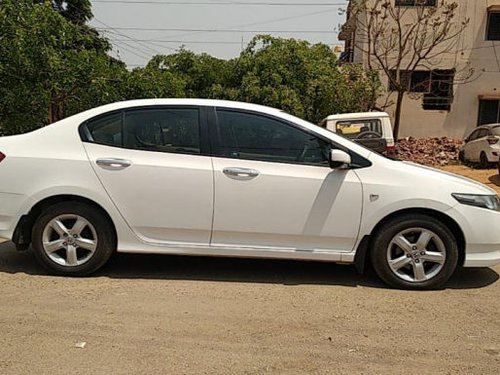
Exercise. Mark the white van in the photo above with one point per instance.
(371, 129)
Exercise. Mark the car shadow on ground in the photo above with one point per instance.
(286, 272)
(495, 179)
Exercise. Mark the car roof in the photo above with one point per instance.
(357, 115)
(489, 125)
(183, 101)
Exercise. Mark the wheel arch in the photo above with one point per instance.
(361, 258)
(22, 233)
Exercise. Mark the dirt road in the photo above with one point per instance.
(174, 315)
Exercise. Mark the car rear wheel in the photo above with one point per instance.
(483, 161)
(73, 239)
(414, 251)
(461, 156)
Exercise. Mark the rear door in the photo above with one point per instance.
(274, 188)
(155, 166)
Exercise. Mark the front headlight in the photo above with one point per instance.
(491, 202)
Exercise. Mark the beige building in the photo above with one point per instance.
(459, 92)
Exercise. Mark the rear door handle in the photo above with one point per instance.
(242, 173)
(113, 163)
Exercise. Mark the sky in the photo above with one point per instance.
(140, 29)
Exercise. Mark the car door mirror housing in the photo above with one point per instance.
(339, 159)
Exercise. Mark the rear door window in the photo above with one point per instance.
(162, 129)
(175, 130)
(482, 133)
(106, 130)
(473, 135)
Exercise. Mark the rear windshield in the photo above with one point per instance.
(496, 130)
(353, 129)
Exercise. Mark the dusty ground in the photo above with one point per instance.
(173, 315)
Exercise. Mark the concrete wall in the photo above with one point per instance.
(472, 50)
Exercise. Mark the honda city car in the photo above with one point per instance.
(219, 178)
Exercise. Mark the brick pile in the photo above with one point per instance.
(429, 151)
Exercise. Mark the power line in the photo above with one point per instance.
(192, 41)
(216, 3)
(216, 30)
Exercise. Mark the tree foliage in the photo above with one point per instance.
(299, 78)
(52, 65)
(46, 63)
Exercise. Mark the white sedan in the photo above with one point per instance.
(206, 177)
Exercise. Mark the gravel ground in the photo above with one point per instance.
(193, 315)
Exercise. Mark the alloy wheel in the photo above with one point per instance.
(69, 240)
(416, 255)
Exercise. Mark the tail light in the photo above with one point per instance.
(2, 156)
(390, 151)
(492, 140)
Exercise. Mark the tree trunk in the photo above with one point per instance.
(397, 116)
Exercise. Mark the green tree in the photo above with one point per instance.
(45, 63)
(201, 73)
(300, 78)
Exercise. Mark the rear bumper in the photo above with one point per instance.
(10, 212)
(493, 154)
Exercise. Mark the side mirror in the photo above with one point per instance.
(339, 159)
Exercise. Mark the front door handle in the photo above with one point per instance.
(113, 163)
(242, 173)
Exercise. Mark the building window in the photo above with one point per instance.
(413, 3)
(436, 85)
(489, 111)
(440, 96)
(493, 31)
(417, 81)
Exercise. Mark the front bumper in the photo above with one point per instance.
(485, 258)
(481, 229)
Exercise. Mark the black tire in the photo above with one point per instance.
(102, 229)
(461, 157)
(380, 250)
(483, 161)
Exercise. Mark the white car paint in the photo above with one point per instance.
(474, 146)
(288, 211)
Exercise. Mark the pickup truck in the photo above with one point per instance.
(371, 129)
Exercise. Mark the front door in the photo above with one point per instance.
(274, 188)
(151, 163)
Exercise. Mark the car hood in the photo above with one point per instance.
(452, 180)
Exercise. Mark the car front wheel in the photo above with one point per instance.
(72, 239)
(414, 252)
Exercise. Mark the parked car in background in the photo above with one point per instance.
(218, 178)
(482, 146)
(371, 129)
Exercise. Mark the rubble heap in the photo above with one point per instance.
(429, 151)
